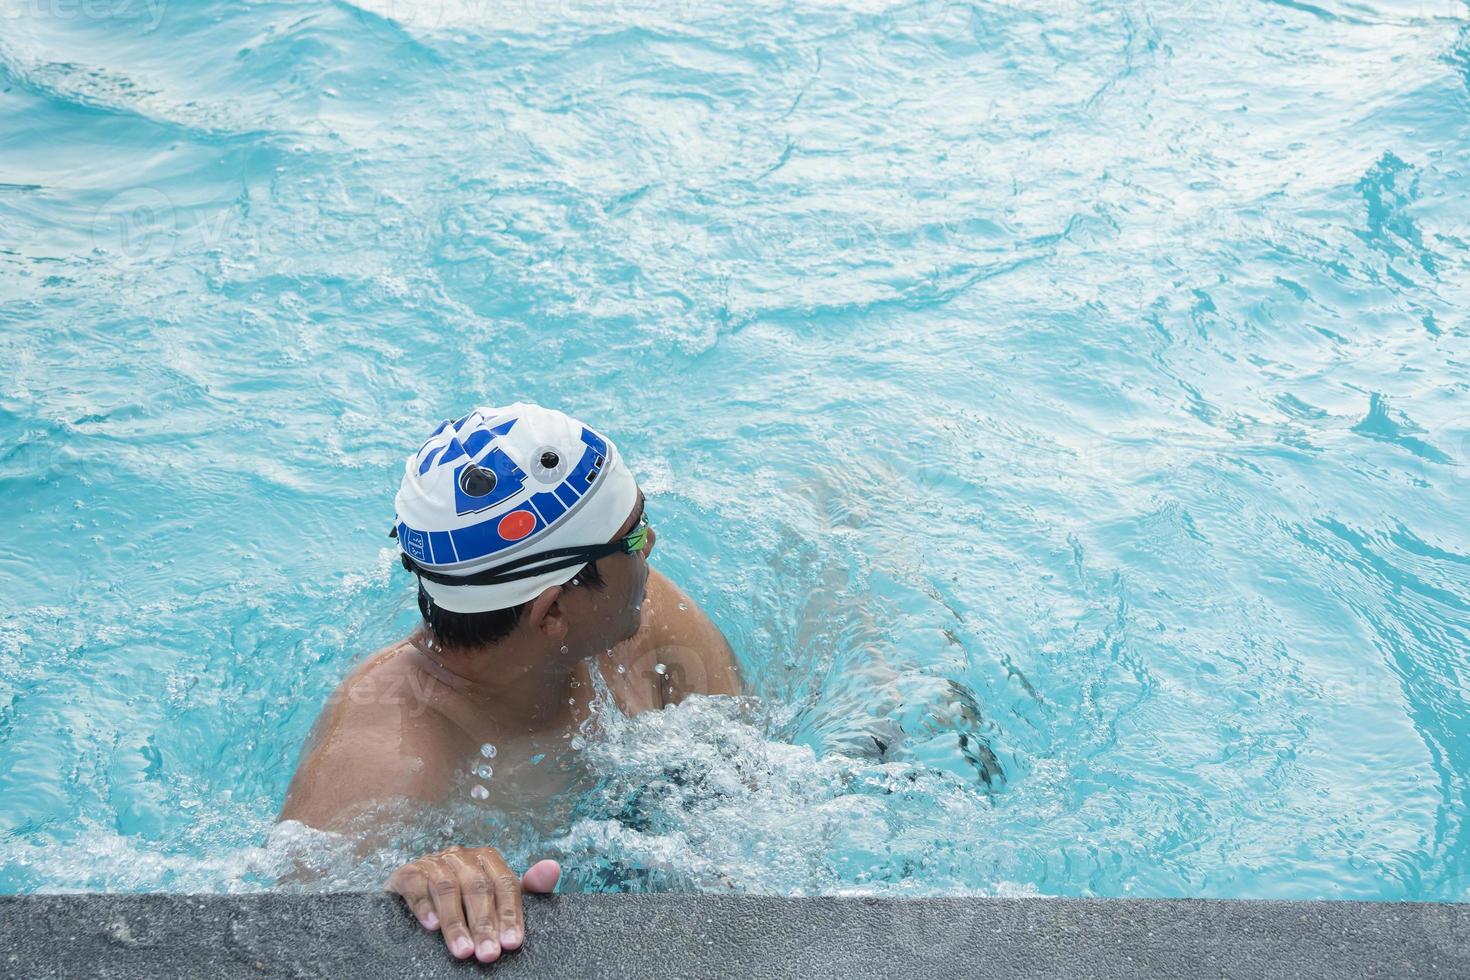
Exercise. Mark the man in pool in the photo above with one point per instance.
(527, 535)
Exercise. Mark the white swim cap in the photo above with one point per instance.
(500, 487)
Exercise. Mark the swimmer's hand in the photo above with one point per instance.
(471, 892)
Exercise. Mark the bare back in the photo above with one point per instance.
(394, 728)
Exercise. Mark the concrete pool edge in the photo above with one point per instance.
(369, 935)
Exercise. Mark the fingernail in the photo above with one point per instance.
(462, 947)
(431, 921)
(487, 951)
(510, 939)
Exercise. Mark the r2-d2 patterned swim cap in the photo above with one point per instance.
(501, 484)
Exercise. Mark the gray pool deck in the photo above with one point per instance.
(371, 936)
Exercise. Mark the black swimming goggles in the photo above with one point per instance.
(530, 566)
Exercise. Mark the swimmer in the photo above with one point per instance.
(528, 540)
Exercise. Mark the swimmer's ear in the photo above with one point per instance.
(545, 614)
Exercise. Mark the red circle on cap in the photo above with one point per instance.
(516, 525)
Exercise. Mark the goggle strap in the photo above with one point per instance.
(512, 571)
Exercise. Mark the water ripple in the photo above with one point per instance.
(1060, 407)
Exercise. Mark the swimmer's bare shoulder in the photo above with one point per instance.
(377, 738)
(697, 656)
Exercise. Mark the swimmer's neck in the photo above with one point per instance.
(508, 688)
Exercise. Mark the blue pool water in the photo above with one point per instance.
(1061, 406)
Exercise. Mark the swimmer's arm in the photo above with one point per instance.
(341, 778)
(347, 785)
(698, 657)
(469, 895)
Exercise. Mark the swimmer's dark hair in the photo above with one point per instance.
(466, 631)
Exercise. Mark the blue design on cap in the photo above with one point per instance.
(510, 479)
(454, 449)
(548, 506)
(483, 539)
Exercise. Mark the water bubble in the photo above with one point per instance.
(660, 669)
(484, 772)
(683, 605)
(480, 792)
(487, 750)
(622, 669)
